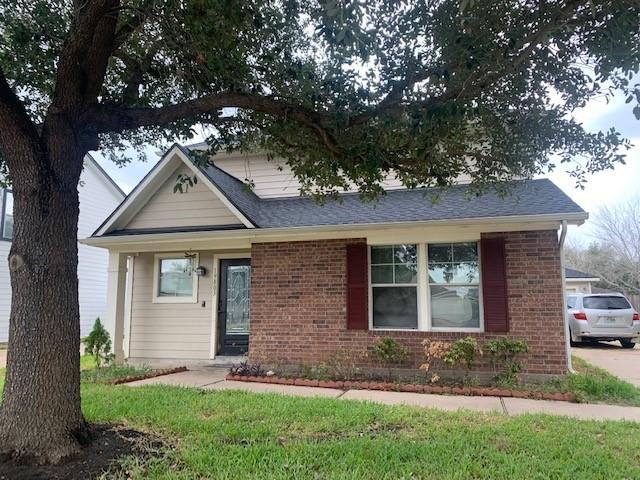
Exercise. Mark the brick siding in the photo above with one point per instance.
(298, 305)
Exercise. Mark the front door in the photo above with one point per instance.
(233, 306)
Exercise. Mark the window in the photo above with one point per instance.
(175, 278)
(454, 285)
(606, 303)
(7, 215)
(394, 286)
(572, 301)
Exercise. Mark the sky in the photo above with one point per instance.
(603, 188)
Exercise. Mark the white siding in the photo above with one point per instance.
(5, 289)
(197, 206)
(577, 286)
(166, 330)
(274, 178)
(98, 198)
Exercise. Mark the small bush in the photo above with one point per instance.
(504, 353)
(246, 369)
(389, 353)
(434, 352)
(98, 345)
(343, 364)
(462, 352)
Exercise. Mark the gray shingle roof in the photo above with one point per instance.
(529, 197)
(573, 273)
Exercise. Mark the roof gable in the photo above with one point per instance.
(147, 197)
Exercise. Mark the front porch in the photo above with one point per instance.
(181, 306)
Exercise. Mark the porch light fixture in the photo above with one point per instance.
(201, 271)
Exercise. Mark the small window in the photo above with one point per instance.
(572, 301)
(454, 285)
(394, 286)
(175, 279)
(7, 216)
(606, 303)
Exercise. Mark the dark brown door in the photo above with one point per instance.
(233, 306)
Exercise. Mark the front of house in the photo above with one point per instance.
(222, 270)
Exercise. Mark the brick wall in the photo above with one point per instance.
(298, 305)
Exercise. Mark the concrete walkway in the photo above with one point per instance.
(621, 362)
(213, 379)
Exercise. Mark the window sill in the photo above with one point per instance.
(432, 330)
(174, 300)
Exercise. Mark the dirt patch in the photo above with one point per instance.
(110, 443)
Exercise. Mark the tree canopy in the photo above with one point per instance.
(345, 90)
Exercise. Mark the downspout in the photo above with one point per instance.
(567, 334)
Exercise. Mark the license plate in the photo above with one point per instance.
(609, 319)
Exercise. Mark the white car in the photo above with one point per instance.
(602, 316)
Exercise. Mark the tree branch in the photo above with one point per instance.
(84, 54)
(528, 46)
(16, 128)
(109, 118)
(134, 72)
(478, 79)
(140, 15)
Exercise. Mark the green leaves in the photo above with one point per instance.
(184, 182)
(427, 91)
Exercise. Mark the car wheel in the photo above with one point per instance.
(571, 342)
(626, 343)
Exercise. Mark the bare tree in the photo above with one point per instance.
(618, 258)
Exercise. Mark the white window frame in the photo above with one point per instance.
(156, 278)
(480, 327)
(417, 285)
(424, 291)
(6, 192)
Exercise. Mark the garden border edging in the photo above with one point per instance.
(408, 387)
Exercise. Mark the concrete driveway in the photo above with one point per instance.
(623, 363)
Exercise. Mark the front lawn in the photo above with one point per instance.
(241, 435)
(232, 434)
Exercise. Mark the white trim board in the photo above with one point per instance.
(381, 233)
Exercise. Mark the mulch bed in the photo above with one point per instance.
(408, 387)
(110, 443)
(149, 374)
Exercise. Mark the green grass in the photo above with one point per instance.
(241, 435)
(595, 385)
(89, 372)
(231, 434)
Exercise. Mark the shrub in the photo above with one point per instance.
(434, 351)
(343, 364)
(98, 344)
(389, 353)
(246, 369)
(462, 352)
(504, 353)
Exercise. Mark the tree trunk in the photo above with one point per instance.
(40, 417)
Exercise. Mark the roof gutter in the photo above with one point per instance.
(567, 332)
(574, 218)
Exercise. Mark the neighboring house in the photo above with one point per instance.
(99, 195)
(220, 271)
(579, 282)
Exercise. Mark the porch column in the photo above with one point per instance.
(116, 293)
